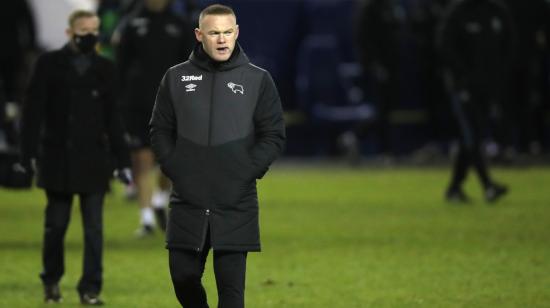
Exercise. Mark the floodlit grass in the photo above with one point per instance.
(331, 236)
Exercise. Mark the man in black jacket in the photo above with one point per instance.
(72, 128)
(216, 127)
(476, 40)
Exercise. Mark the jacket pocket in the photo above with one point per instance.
(186, 168)
(235, 177)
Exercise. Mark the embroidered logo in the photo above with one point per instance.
(235, 87)
(191, 78)
(190, 87)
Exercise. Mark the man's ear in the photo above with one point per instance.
(69, 32)
(198, 34)
(237, 32)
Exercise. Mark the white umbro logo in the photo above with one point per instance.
(235, 87)
(190, 87)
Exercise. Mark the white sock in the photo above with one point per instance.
(160, 199)
(147, 216)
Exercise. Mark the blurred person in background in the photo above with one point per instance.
(111, 13)
(148, 42)
(217, 126)
(476, 42)
(72, 128)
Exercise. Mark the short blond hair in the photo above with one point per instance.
(216, 9)
(80, 14)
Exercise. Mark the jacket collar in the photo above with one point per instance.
(67, 53)
(70, 52)
(200, 58)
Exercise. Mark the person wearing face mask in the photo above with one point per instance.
(217, 125)
(72, 131)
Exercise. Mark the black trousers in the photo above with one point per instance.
(472, 116)
(187, 268)
(58, 213)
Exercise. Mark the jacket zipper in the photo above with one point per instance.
(205, 230)
(211, 109)
(210, 112)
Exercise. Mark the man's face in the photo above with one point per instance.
(83, 26)
(218, 34)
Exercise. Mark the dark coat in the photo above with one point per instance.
(71, 125)
(215, 129)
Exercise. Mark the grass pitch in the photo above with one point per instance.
(331, 237)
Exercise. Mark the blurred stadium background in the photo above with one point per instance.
(341, 227)
(311, 49)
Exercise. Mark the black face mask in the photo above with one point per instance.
(85, 43)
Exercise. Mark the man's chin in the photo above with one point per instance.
(222, 58)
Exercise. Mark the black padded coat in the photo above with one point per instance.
(215, 129)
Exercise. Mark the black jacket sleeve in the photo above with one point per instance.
(113, 119)
(163, 123)
(269, 127)
(34, 109)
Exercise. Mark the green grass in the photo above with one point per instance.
(332, 237)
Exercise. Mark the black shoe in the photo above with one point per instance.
(494, 192)
(456, 195)
(52, 294)
(91, 299)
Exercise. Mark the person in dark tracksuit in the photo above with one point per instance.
(149, 41)
(71, 127)
(476, 40)
(216, 127)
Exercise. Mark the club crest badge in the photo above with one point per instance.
(236, 88)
